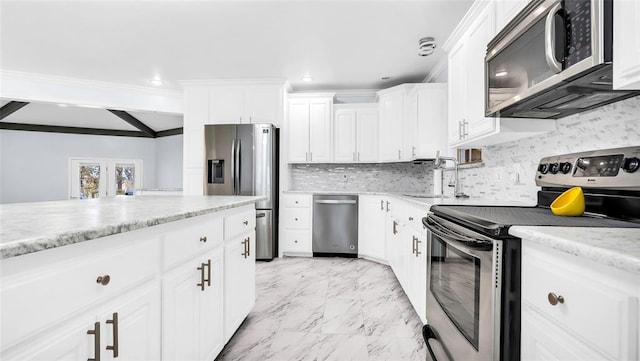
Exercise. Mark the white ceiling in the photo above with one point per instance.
(341, 44)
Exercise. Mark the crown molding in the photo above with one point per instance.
(234, 81)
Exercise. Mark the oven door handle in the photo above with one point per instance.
(436, 353)
(452, 236)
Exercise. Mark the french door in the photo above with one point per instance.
(99, 177)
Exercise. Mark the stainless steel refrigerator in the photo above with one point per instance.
(242, 159)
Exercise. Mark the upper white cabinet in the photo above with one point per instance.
(626, 45)
(506, 10)
(466, 52)
(309, 127)
(425, 120)
(391, 103)
(466, 79)
(355, 136)
(247, 104)
(576, 309)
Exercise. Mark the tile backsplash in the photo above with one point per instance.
(384, 177)
(509, 169)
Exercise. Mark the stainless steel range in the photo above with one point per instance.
(473, 280)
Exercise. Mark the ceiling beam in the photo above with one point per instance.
(10, 108)
(135, 122)
(71, 130)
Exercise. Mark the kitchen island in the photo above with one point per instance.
(139, 278)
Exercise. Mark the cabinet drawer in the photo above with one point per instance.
(239, 223)
(296, 241)
(296, 218)
(595, 308)
(297, 200)
(41, 289)
(187, 238)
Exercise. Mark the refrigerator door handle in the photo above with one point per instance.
(238, 166)
(233, 165)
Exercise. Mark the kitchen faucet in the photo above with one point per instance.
(437, 162)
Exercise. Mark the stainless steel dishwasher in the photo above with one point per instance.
(335, 225)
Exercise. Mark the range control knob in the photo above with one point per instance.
(631, 165)
(565, 167)
(543, 168)
(554, 168)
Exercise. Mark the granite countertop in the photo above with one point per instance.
(36, 226)
(615, 247)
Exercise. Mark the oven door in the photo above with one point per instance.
(463, 296)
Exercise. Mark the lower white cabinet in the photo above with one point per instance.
(575, 309)
(295, 224)
(239, 281)
(192, 309)
(120, 297)
(371, 227)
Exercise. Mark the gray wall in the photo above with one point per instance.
(34, 165)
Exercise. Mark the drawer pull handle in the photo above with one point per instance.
(203, 239)
(245, 252)
(208, 264)
(395, 227)
(103, 280)
(114, 321)
(96, 341)
(555, 299)
(246, 223)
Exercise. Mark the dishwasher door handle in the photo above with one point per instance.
(332, 201)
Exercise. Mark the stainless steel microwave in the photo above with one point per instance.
(552, 60)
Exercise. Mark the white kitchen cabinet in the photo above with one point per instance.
(371, 227)
(467, 123)
(239, 281)
(425, 120)
(626, 49)
(246, 104)
(506, 10)
(309, 128)
(137, 318)
(575, 309)
(416, 261)
(192, 308)
(391, 124)
(295, 224)
(355, 137)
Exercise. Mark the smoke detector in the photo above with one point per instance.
(426, 46)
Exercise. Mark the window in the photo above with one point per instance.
(97, 178)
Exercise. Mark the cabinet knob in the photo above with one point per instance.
(411, 219)
(296, 241)
(203, 239)
(296, 219)
(296, 202)
(103, 280)
(246, 223)
(555, 299)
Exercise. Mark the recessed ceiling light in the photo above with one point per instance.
(90, 106)
(385, 77)
(156, 81)
(307, 78)
(63, 105)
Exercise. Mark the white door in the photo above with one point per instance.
(344, 136)
(298, 131)
(181, 297)
(261, 104)
(371, 227)
(320, 130)
(391, 120)
(432, 110)
(134, 320)
(98, 178)
(239, 281)
(367, 135)
(226, 105)
(211, 307)
(479, 34)
(457, 91)
(410, 127)
(626, 32)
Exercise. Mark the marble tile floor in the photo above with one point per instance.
(327, 309)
